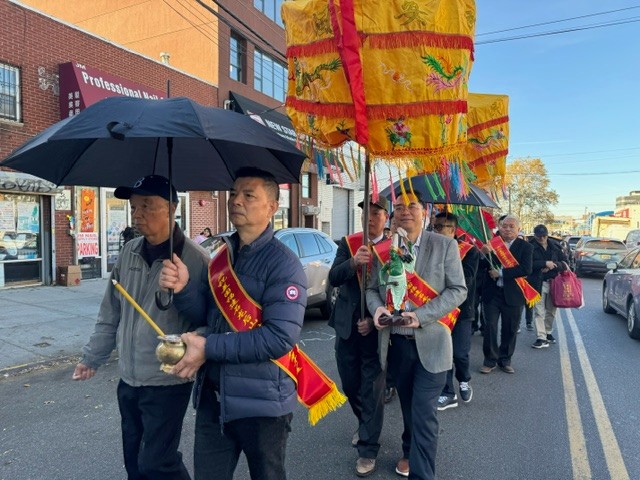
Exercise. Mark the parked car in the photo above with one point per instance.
(621, 290)
(316, 252)
(592, 254)
(633, 239)
(571, 241)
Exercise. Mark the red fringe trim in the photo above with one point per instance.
(388, 40)
(341, 110)
(489, 123)
(489, 158)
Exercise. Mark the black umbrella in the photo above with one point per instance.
(118, 140)
(429, 189)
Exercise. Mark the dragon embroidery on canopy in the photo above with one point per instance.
(444, 75)
(481, 144)
(310, 80)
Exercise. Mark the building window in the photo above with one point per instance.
(271, 8)
(237, 49)
(269, 76)
(306, 190)
(9, 92)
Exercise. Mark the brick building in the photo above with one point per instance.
(237, 45)
(40, 224)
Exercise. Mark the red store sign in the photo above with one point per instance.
(81, 86)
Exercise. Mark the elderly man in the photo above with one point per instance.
(152, 403)
(244, 397)
(420, 351)
(505, 292)
(356, 346)
(548, 261)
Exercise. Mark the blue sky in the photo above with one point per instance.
(573, 97)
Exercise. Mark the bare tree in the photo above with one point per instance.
(530, 195)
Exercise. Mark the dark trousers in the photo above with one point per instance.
(363, 382)
(262, 439)
(528, 315)
(418, 391)
(494, 310)
(151, 428)
(461, 338)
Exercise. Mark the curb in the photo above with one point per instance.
(35, 366)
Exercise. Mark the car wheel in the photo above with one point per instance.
(633, 326)
(605, 301)
(327, 306)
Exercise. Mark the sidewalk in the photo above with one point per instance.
(45, 323)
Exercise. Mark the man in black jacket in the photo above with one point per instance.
(363, 380)
(548, 261)
(446, 224)
(503, 295)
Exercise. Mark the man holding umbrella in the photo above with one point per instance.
(244, 398)
(420, 352)
(152, 403)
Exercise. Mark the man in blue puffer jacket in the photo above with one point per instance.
(244, 401)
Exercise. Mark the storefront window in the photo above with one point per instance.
(20, 239)
(281, 218)
(116, 221)
(87, 235)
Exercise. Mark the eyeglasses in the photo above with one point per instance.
(440, 226)
(401, 207)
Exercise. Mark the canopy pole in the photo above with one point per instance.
(365, 234)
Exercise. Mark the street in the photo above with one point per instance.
(566, 413)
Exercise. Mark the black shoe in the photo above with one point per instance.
(540, 344)
(389, 393)
(550, 338)
(447, 401)
(466, 392)
(529, 326)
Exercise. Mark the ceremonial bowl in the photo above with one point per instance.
(169, 351)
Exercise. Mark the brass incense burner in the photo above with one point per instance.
(169, 351)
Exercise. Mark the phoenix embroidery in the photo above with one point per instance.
(444, 75)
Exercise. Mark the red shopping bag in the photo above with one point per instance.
(566, 290)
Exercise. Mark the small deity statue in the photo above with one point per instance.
(393, 274)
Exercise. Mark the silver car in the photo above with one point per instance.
(316, 252)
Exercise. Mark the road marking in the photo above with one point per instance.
(577, 443)
(612, 453)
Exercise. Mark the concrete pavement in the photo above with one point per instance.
(44, 324)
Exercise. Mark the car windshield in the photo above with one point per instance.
(633, 237)
(605, 245)
(573, 240)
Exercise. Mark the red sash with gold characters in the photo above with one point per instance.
(316, 391)
(419, 292)
(507, 260)
(354, 242)
(464, 248)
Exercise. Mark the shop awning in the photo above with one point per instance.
(268, 117)
(18, 182)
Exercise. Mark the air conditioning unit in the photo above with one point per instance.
(310, 210)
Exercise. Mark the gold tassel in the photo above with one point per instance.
(331, 401)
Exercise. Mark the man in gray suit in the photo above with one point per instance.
(362, 377)
(420, 352)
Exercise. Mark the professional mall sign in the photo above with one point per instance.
(81, 86)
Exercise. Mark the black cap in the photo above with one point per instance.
(382, 203)
(149, 186)
(540, 231)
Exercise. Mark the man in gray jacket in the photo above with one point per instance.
(420, 352)
(152, 403)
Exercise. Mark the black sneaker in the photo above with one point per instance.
(550, 338)
(540, 344)
(447, 401)
(466, 392)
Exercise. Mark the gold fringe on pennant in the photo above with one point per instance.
(331, 401)
(535, 300)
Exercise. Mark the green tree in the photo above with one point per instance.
(530, 195)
